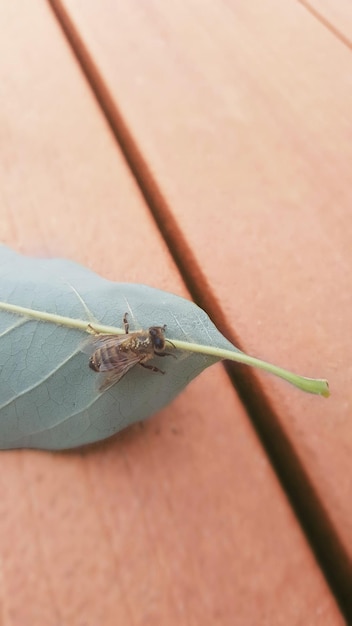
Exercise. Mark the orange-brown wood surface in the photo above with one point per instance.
(217, 134)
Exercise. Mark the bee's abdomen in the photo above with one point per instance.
(94, 363)
(105, 358)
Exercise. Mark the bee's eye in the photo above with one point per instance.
(158, 340)
(158, 343)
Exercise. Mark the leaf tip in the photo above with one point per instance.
(325, 391)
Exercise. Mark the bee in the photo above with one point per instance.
(115, 355)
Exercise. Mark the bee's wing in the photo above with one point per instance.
(99, 341)
(111, 372)
(108, 378)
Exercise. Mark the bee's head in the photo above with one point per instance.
(157, 336)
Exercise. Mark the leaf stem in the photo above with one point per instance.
(317, 386)
(60, 320)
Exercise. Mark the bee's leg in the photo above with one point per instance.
(92, 330)
(125, 323)
(151, 367)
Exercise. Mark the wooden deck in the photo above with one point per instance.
(204, 148)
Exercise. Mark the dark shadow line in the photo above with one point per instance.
(325, 22)
(308, 508)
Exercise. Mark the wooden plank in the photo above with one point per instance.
(182, 521)
(242, 112)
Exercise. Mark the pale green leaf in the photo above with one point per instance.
(48, 394)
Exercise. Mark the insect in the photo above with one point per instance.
(115, 355)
